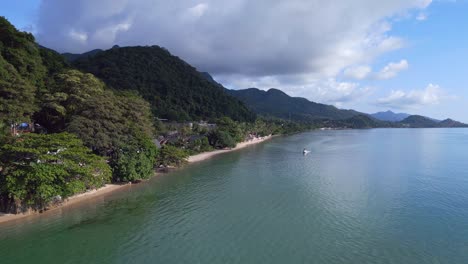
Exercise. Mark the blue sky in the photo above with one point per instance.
(407, 56)
(437, 52)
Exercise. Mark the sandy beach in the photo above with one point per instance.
(114, 187)
(207, 155)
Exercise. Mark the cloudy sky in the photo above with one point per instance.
(404, 55)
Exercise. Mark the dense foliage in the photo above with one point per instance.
(21, 73)
(17, 95)
(40, 91)
(275, 103)
(64, 131)
(36, 168)
(175, 90)
(65, 96)
(134, 160)
(172, 156)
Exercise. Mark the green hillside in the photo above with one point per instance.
(451, 123)
(276, 103)
(62, 131)
(175, 90)
(417, 121)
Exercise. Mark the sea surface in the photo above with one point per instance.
(360, 196)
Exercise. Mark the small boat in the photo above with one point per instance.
(305, 152)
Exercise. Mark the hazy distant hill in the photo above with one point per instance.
(416, 121)
(390, 116)
(451, 123)
(276, 103)
(175, 89)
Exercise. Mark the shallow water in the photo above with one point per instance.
(360, 196)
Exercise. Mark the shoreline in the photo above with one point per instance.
(109, 188)
(241, 145)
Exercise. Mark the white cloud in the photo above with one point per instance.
(389, 71)
(255, 38)
(431, 95)
(328, 91)
(248, 43)
(421, 16)
(81, 37)
(392, 69)
(198, 10)
(357, 72)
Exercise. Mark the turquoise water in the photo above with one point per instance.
(363, 196)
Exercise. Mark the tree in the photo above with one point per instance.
(36, 168)
(16, 95)
(199, 145)
(66, 95)
(107, 121)
(231, 127)
(171, 156)
(134, 161)
(21, 51)
(120, 127)
(221, 139)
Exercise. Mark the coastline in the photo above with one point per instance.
(108, 188)
(241, 145)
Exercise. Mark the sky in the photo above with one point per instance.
(400, 55)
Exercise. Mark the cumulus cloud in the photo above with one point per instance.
(421, 16)
(392, 69)
(431, 95)
(357, 72)
(236, 36)
(329, 91)
(262, 39)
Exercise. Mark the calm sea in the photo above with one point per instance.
(360, 196)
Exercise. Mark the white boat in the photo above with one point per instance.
(305, 152)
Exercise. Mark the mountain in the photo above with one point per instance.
(451, 123)
(175, 90)
(390, 116)
(416, 121)
(70, 57)
(275, 103)
(359, 121)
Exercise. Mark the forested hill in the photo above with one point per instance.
(175, 90)
(416, 121)
(276, 103)
(70, 57)
(390, 116)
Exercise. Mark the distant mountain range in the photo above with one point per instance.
(390, 116)
(417, 121)
(278, 104)
(177, 91)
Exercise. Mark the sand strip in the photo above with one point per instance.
(108, 188)
(207, 155)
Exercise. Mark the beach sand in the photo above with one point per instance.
(207, 155)
(108, 188)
